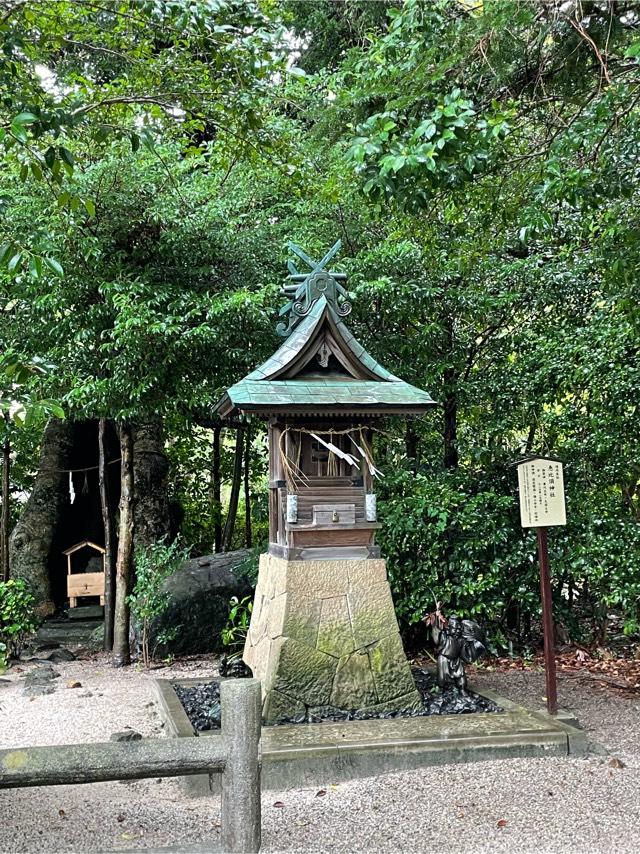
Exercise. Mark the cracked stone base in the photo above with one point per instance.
(324, 633)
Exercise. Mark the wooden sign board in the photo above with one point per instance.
(541, 487)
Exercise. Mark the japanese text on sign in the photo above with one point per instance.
(541, 487)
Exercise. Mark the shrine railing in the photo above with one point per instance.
(235, 755)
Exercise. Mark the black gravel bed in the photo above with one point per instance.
(202, 704)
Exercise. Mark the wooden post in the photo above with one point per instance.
(547, 622)
(248, 538)
(235, 754)
(109, 538)
(541, 488)
(121, 652)
(241, 701)
(58, 765)
(4, 515)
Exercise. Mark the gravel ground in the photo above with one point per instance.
(611, 721)
(526, 805)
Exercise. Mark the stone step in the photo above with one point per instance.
(66, 632)
(86, 612)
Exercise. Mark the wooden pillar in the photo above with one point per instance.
(4, 513)
(121, 652)
(241, 702)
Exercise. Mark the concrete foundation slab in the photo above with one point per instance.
(299, 755)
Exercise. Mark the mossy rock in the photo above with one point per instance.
(199, 603)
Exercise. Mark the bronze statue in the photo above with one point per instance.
(458, 642)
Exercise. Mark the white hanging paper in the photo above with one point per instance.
(72, 492)
(335, 450)
(374, 471)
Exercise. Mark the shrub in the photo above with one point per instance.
(458, 539)
(235, 632)
(447, 542)
(17, 617)
(148, 600)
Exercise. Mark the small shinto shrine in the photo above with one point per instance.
(85, 571)
(323, 630)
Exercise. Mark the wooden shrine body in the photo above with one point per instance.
(323, 632)
(329, 509)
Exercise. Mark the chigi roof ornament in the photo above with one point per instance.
(305, 289)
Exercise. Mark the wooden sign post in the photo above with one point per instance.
(541, 488)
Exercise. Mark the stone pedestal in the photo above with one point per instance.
(324, 634)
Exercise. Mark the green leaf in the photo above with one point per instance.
(147, 139)
(13, 263)
(5, 252)
(25, 119)
(66, 156)
(54, 266)
(90, 208)
(35, 266)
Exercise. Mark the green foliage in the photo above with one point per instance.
(17, 617)
(18, 403)
(235, 631)
(148, 601)
(406, 159)
(190, 488)
(447, 540)
(479, 163)
(75, 77)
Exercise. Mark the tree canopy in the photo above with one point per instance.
(479, 162)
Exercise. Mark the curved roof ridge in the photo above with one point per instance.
(303, 337)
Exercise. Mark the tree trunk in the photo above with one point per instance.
(411, 446)
(216, 501)
(30, 542)
(232, 512)
(248, 534)
(4, 516)
(109, 537)
(151, 494)
(121, 653)
(450, 431)
(530, 438)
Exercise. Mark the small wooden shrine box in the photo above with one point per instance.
(321, 394)
(80, 581)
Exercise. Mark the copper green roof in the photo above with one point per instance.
(292, 381)
(320, 393)
(304, 334)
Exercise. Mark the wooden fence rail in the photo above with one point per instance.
(235, 755)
